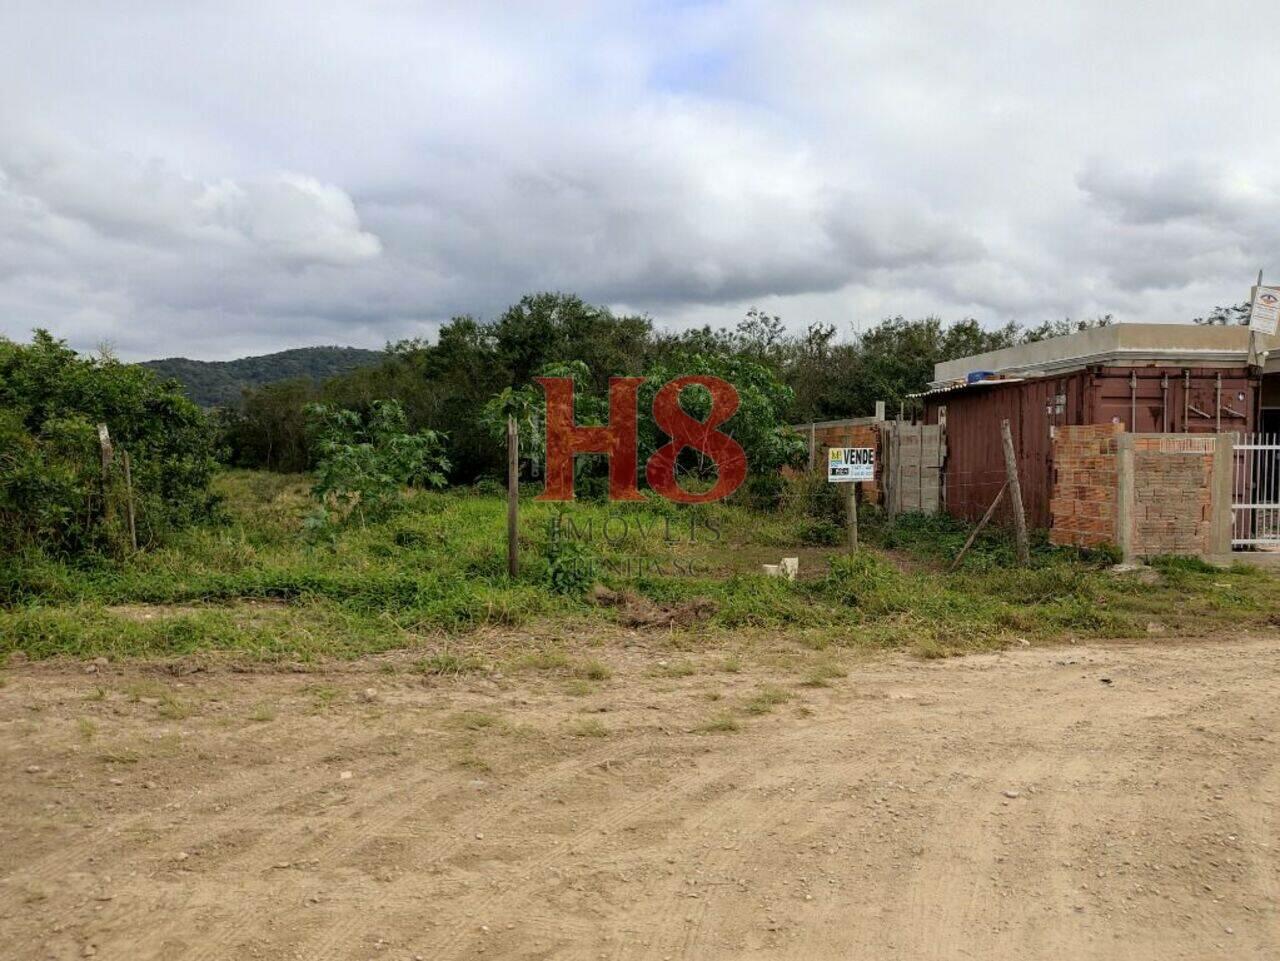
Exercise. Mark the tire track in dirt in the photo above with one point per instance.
(338, 936)
(734, 802)
(496, 902)
(389, 811)
(239, 785)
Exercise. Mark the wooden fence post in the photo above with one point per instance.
(1015, 495)
(108, 456)
(513, 498)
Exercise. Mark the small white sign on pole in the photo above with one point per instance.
(1264, 315)
(846, 464)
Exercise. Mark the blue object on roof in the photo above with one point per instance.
(976, 375)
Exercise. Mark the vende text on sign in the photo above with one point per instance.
(846, 464)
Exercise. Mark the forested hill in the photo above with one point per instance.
(213, 383)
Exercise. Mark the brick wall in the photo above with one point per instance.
(1083, 504)
(1169, 490)
(1172, 494)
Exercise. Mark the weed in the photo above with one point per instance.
(476, 721)
(588, 727)
(765, 699)
(675, 669)
(820, 675)
(592, 670)
(262, 713)
(447, 663)
(720, 724)
(323, 697)
(87, 727)
(543, 660)
(470, 761)
(123, 756)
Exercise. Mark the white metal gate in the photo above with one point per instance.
(1255, 492)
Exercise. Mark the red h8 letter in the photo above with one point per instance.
(565, 438)
(685, 431)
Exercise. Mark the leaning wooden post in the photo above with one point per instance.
(513, 497)
(973, 534)
(1015, 495)
(128, 489)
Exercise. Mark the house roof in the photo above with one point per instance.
(1117, 345)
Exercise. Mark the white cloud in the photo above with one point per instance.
(212, 179)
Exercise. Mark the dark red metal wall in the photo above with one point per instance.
(1158, 400)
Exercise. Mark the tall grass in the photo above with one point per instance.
(261, 582)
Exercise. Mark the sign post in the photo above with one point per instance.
(851, 465)
(513, 498)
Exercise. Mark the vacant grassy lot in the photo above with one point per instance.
(267, 583)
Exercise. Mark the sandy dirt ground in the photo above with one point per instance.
(1115, 801)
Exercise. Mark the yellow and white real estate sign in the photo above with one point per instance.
(845, 464)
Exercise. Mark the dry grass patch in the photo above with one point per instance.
(587, 727)
(765, 699)
(720, 724)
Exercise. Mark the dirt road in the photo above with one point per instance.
(1065, 802)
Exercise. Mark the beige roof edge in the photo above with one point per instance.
(1118, 343)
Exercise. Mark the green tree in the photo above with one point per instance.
(51, 484)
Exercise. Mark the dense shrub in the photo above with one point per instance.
(52, 492)
(362, 463)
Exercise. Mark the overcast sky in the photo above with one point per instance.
(218, 179)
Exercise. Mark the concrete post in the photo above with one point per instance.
(1125, 497)
(1220, 499)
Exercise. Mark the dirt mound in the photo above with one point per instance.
(636, 611)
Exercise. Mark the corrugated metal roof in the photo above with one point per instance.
(957, 385)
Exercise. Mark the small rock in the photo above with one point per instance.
(150, 785)
(117, 781)
(370, 694)
(101, 661)
(479, 836)
(1105, 680)
(1011, 794)
(89, 951)
(345, 776)
(34, 769)
(181, 856)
